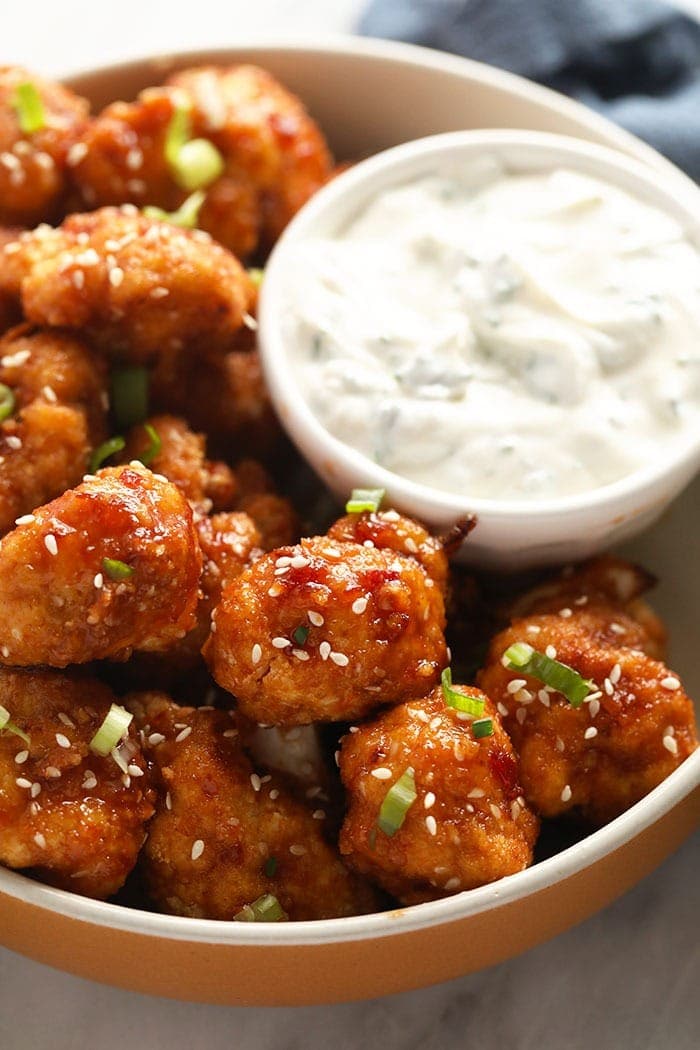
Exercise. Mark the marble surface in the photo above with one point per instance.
(628, 978)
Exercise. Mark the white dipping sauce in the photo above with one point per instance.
(500, 335)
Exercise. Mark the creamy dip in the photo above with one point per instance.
(518, 336)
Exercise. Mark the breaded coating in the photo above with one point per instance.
(469, 823)
(60, 398)
(10, 312)
(274, 155)
(224, 835)
(73, 817)
(327, 631)
(111, 566)
(33, 180)
(389, 530)
(182, 459)
(137, 287)
(633, 729)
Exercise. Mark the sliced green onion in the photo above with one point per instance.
(9, 726)
(300, 635)
(29, 108)
(177, 134)
(270, 866)
(186, 216)
(129, 396)
(198, 164)
(265, 909)
(7, 402)
(153, 450)
(117, 570)
(472, 705)
(256, 275)
(397, 802)
(364, 499)
(112, 730)
(482, 727)
(564, 679)
(104, 451)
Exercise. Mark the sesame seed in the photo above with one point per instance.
(617, 628)
(543, 697)
(453, 883)
(614, 675)
(35, 789)
(26, 519)
(423, 716)
(50, 544)
(76, 153)
(197, 849)
(501, 708)
(98, 581)
(256, 653)
(476, 793)
(134, 158)
(515, 684)
(565, 613)
(319, 814)
(50, 394)
(583, 600)
(495, 811)
(608, 687)
(63, 717)
(78, 279)
(298, 561)
(52, 772)
(183, 734)
(324, 650)
(90, 781)
(670, 743)
(521, 715)
(159, 292)
(281, 572)
(340, 659)
(274, 794)
(429, 800)
(134, 770)
(275, 590)
(559, 744)
(367, 543)
(524, 696)
(5, 652)
(670, 683)
(594, 707)
(116, 276)
(551, 652)
(22, 782)
(297, 850)
(168, 800)
(21, 757)
(315, 618)
(431, 824)
(62, 740)
(565, 793)
(229, 733)
(281, 643)
(40, 840)
(283, 561)
(435, 722)
(532, 628)
(359, 606)
(515, 808)
(381, 773)
(13, 442)
(255, 781)
(590, 733)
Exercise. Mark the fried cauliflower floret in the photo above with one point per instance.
(182, 459)
(469, 823)
(59, 415)
(223, 835)
(633, 729)
(70, 815)
(33, 165)
(138, 288)
(389, 530)
(327, 631)
(110, 566)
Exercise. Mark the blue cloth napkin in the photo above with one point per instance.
(635, 61)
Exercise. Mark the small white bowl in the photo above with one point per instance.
(509, 534)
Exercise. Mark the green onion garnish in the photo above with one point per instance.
(364, 499)
(265, 909)
(397, 802)
(482, 727)
(186, 216)
(29, 108)
(104, 451)
(300, 635)
(153, 450)
(129, 396)
(472, 705)
(564, 679)
(112, 730)
(193, 163)
(256, 275)
(117, 570)
(270, 866)
(7, 402)
(9, 726)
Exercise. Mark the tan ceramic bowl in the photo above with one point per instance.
(369, 96)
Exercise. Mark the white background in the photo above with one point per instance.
(629, 979)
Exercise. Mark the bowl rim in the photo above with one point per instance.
(657, 804)
(330, 209)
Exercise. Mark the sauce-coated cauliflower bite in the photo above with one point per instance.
(33, 164)
(110, 566)
(327, 631)
(224, 835)
(59, 415)
(67, 813)
(274, 155)
(469, 823)
(137, 287)
(633, 729)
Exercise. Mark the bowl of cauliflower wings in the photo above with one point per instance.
(256, 746)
